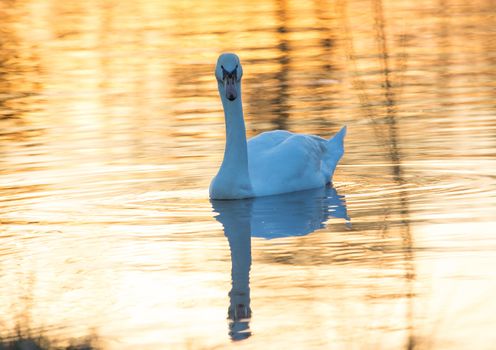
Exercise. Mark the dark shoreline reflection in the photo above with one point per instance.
(290, 214)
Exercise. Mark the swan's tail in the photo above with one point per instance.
(335, 150)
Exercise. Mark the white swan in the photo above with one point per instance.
(270, 163)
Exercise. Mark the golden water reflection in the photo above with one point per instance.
(111, 129)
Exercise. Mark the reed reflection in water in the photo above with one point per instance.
(111, 130)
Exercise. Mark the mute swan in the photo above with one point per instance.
(270, 163)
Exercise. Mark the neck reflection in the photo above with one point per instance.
(291, 214)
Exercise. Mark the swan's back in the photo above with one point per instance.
(281, 161)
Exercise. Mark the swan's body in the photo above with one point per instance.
(280, 161)
(270, 163)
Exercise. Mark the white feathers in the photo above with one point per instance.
(270, 163)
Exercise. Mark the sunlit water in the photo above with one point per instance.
(111, 129)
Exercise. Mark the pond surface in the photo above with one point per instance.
(111, 129)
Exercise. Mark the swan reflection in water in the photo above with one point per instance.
(290, 214)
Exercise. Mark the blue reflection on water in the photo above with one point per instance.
(290, 214)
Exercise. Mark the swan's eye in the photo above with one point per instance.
(229, 75)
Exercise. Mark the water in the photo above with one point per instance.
(111, 129)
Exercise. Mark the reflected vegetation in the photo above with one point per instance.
(287, 215)
(111, 130)
(22, 341)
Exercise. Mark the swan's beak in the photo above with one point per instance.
(230, 88)
(230, 80)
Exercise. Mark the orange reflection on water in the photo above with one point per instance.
(111, 129)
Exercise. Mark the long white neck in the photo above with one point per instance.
(236, 152)
(233, 176)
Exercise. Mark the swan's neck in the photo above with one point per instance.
(236, 153)
(234, 168)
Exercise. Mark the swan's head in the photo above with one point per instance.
(228, 73)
